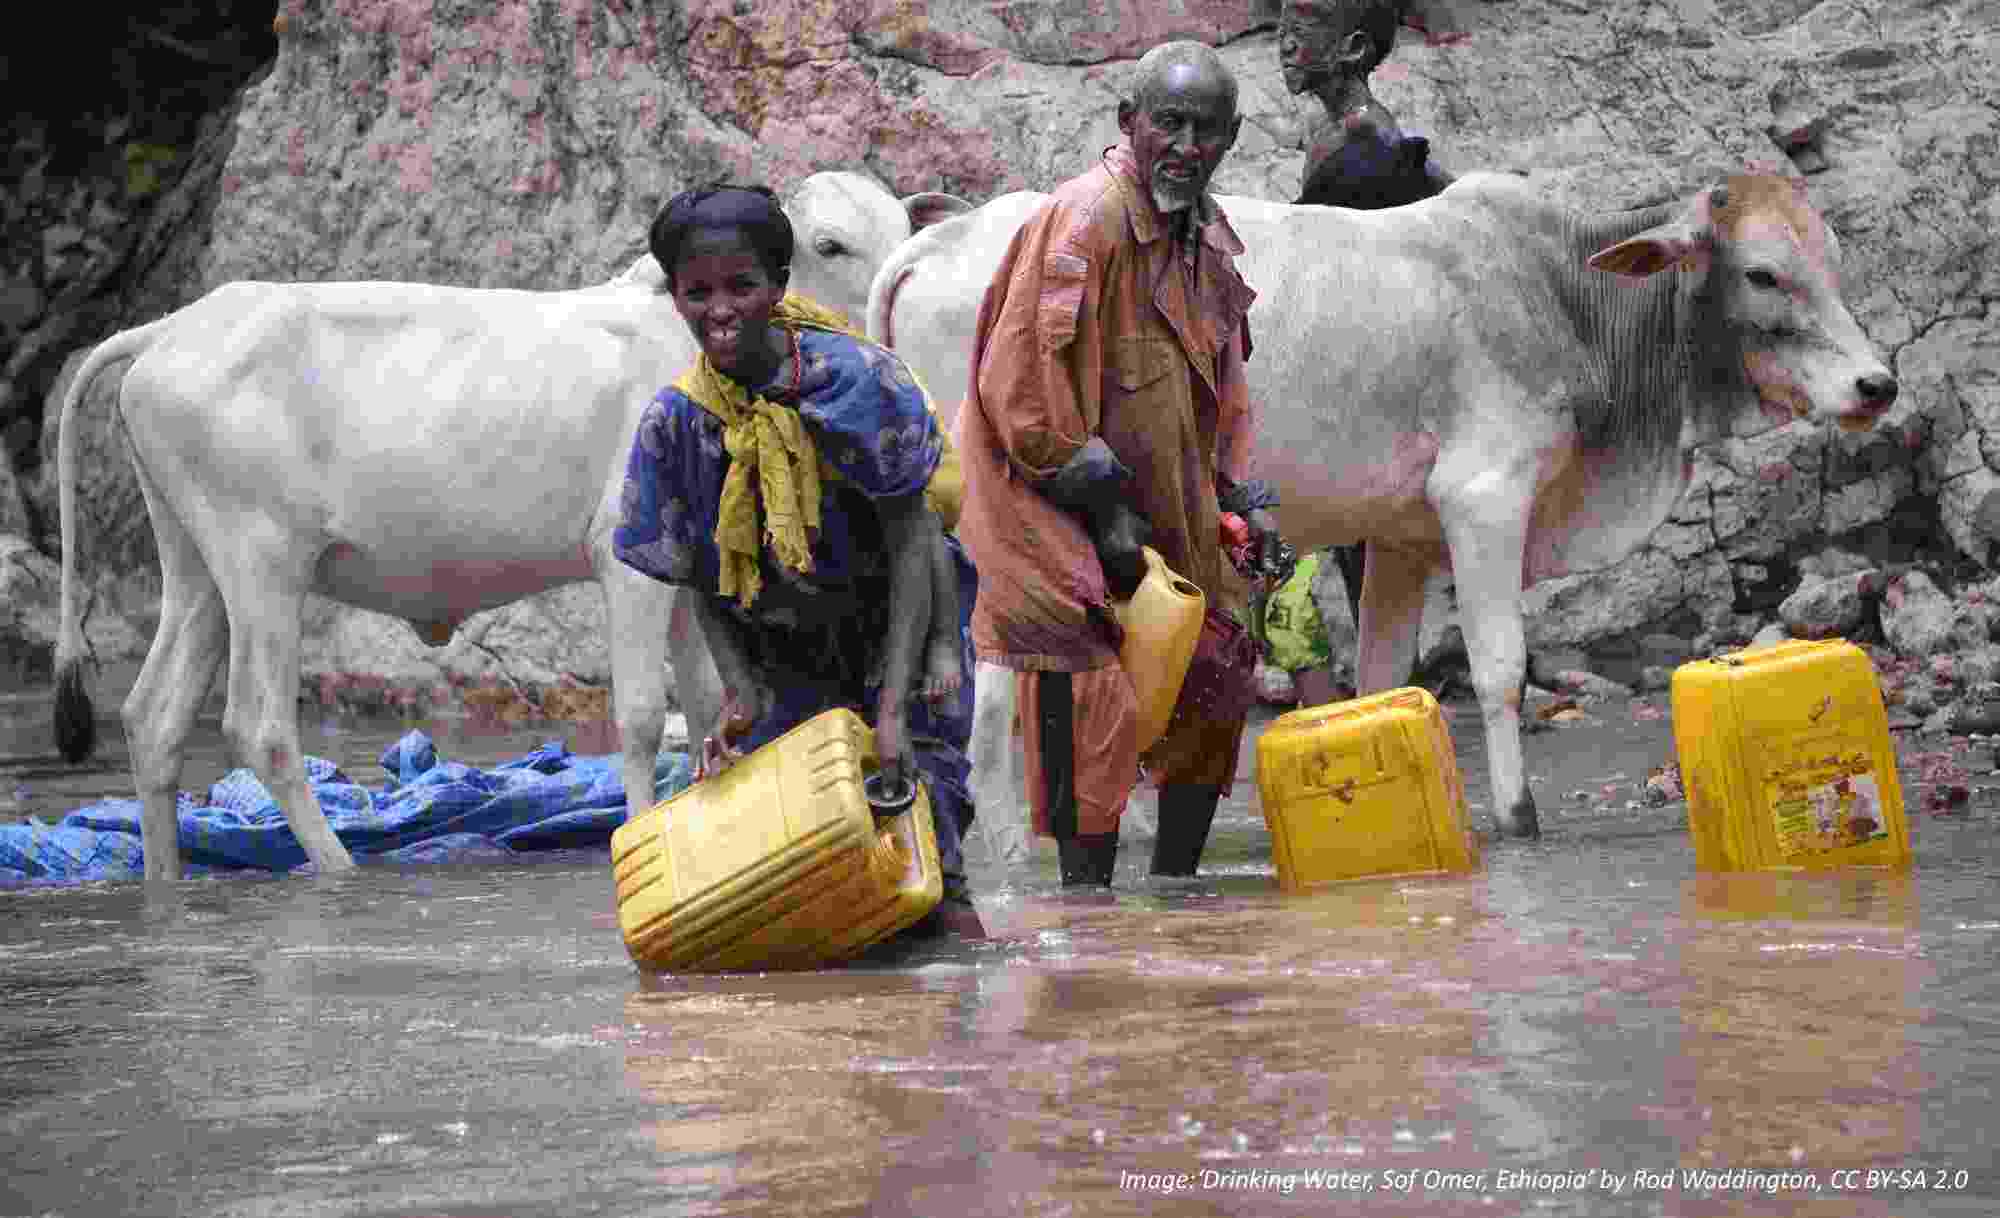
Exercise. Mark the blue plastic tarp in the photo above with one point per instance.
(434, 811)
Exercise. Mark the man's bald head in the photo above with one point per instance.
(1181, 120)
(1175, 62)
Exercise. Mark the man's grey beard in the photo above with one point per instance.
(1171, 201)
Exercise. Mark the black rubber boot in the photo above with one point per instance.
(1088, 858)
(1186, 812)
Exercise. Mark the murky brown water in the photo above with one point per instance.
(468, 1041)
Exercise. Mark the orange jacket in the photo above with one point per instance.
(1099, 323)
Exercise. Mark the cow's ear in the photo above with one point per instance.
(931, 207)
(1682, 242)
(1649, 253)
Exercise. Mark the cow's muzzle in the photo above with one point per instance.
(1876, 392)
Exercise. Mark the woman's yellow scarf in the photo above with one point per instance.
(772, 457)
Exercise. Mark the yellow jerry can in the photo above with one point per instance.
(1786, 759)
(1162, 626)
(778, 862)
(1362, 788)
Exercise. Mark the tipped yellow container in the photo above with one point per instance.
(1162, 625)
(1786, 759)
(778, 862)
(1361, 788)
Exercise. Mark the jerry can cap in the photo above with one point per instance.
(885, 802)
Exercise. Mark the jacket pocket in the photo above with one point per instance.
(1064, 277)
(1136, 364)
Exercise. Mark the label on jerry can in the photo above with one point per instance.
(1825, 802)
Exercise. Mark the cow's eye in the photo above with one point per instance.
(1759, 277)
(827, 247)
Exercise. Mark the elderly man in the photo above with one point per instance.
(1107, 411)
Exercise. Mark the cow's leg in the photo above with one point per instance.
(637, 613)
(1486, 525)
(697, 684)
(264, 580)
(161, 708)
(999, 792)
(1392, 613)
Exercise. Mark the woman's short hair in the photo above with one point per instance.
(753, 211)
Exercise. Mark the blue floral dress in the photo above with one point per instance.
(816, 639)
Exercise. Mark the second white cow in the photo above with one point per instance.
(423, 451)
(1484, 379)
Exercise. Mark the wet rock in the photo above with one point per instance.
(552, 642)
(1655, 678)
(1275, 686)
(1589, 685)
(1978, 712)
(1916, 617)
(113, 533)
(31, 617)
(1545, 668)
(1667, 650)
(1768, 636)
(1918, 696)
(1830, 608)
(1832, 563)
(13, 507)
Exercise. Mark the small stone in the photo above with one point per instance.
(1656, 678)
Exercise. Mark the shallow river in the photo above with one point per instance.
(1565, 1032)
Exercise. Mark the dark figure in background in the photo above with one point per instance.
(816, 591)
(1357, 156)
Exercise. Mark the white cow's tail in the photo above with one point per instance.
(75, 723)
(882, 295)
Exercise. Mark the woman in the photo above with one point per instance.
(784, 477)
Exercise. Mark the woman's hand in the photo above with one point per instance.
(892, 742)
(741, 709)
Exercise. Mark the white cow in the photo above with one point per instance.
(423, 451)
(1466, 381)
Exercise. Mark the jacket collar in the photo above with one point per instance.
(1148, 225)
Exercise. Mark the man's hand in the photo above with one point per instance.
(1273, 558)
(1120, 534)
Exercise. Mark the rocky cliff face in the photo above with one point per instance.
(526, 143)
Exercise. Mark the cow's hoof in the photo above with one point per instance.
(1522, 820)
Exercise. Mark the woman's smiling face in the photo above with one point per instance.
(726, 294)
